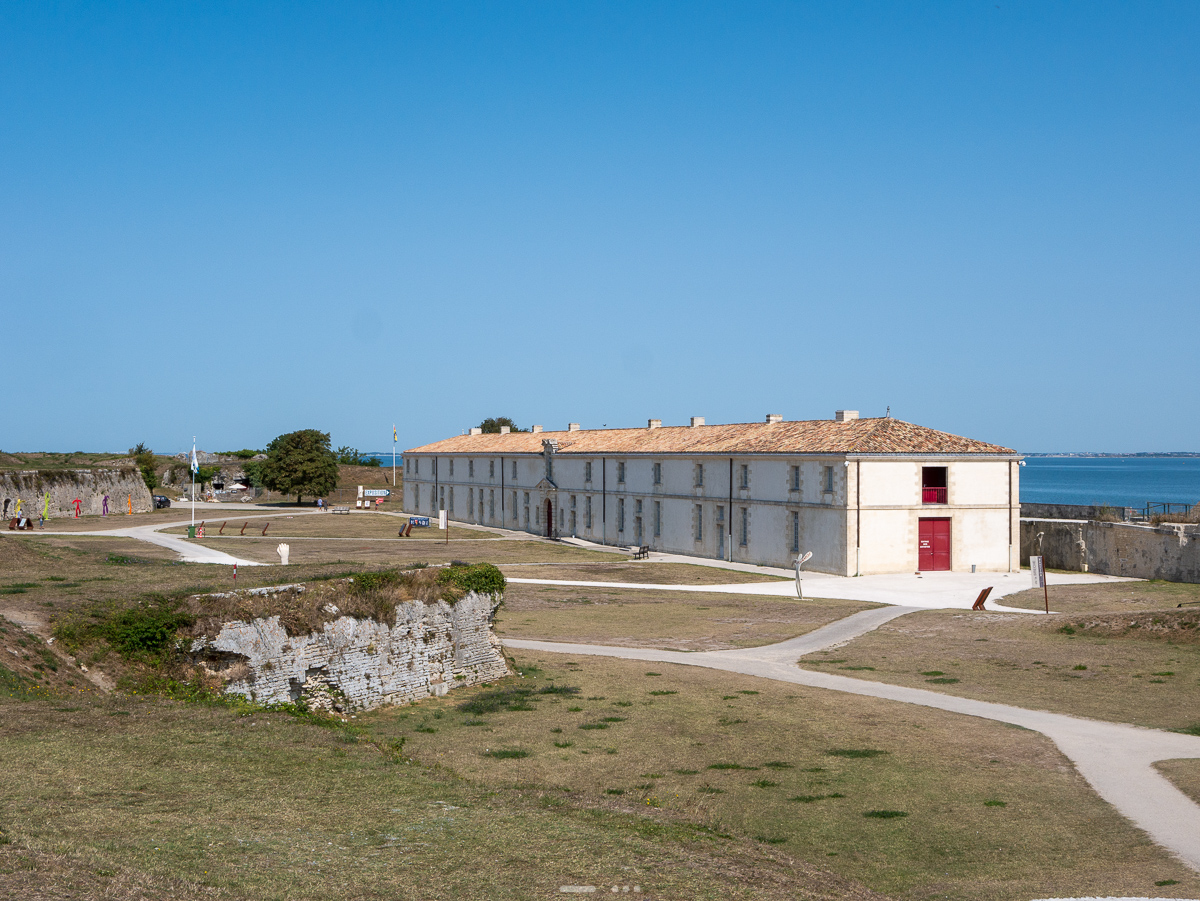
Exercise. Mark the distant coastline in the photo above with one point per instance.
(1140, 454)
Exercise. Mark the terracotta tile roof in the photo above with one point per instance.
(821, 436)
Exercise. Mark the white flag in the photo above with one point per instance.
(195, 462)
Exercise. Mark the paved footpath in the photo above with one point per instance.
(1116, 759)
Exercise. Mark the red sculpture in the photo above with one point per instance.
(77, 502)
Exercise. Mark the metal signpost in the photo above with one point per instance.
(442, 524)
(1037, 570)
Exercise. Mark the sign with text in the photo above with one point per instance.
(419, 521)
(441, 519)
(376, 492)
(1037, 571)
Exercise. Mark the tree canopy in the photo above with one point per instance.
(491, 425)
(300, 463)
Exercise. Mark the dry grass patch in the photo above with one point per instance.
(645, 572)
(402, 551)
(687, 621)
(1036, 662)
(194, 801)
(357, 524)
(1184, 774)
(1110, 597)
(990, 811)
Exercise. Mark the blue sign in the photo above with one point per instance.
(419, 521)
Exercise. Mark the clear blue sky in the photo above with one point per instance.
(238, 220)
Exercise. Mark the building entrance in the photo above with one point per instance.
(933, 545)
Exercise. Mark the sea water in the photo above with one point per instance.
(1116, 481)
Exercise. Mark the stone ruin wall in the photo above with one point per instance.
(64, 485)
(356, 664)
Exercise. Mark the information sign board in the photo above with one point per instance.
(376, 492)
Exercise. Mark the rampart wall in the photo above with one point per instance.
(123, 486)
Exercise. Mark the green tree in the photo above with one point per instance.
(301, 463)
(144, 458)
(349, 456)
(205, 474)
(491, 425)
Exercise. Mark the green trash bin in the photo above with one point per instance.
(191, 531)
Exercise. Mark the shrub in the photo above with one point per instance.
(483, 578)
(855, 753)
(145, 629)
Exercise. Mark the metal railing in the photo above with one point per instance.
(933, 495)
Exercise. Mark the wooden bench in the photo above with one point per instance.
(642, 553)
(345, 510)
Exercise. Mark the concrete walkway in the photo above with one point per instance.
(1115, 759)
(926, 591)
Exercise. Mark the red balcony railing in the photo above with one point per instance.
(933, 495)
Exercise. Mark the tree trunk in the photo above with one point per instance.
(297, 500)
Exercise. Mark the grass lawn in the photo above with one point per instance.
(1076, 664)
(404, 550)
(357, 524)
(136, 798)
(1185, 774)
(678, 620)
(912, 802)
(1114, 597)
(644, 571)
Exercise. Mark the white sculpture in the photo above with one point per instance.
(284, 550)
(800, 561)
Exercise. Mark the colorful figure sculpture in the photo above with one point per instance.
(46, 508)
(131, 505)
(18, 510)
(78, 503)
(104, 512)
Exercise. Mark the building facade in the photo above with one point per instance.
(863, 495)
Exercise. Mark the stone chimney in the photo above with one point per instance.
(654, 423)
(477, 431)
(572, 427)
(538, 428)
(697, 420)
(845, 415)
(504, 430)
(774, 417)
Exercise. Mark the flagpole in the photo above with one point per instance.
(393, 455)
(192, 467)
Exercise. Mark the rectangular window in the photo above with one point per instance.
(514, 470)
(744, 537)
(795, 533)
(549, 468)
(451, 467)
(480, 505)
(417, 466)
(745, 476)
(698, 513)
(471, 500)
(828, 479)
(491, 469)
(620, 514)
(795, 483)
(587, 511)
(491, 503)
(526, 509)
(470, 469)
(620, 473)
(699, 475)
(452, 499)
(657, 474)
(514, 506)
(657, 519)
(441, 499)
(587, 472)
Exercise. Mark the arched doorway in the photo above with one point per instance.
(549, 518)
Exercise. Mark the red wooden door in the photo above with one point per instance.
(933, 545)
(549, 519)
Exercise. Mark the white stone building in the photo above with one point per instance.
(864, 495)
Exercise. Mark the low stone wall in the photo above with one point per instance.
(1169, 552)
(1075, 511)
(122, 486)
(354, 664)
